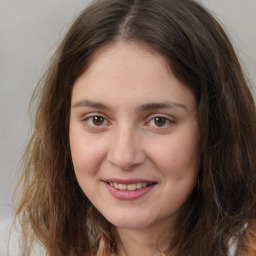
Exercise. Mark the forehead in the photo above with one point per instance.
(122, 50)
(130, 71)
(119, 58)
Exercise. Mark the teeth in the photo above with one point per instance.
(139, 185)
(122, 186)
(130, 187)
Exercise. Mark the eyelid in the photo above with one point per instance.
(92, 114)
(170, 120)
(87, 117)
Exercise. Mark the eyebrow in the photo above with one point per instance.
(142, 108)
(92, 104)
(152, 106)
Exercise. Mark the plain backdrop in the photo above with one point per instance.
(30, 30)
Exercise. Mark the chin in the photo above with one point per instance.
(128, 221)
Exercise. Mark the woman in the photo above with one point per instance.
(144, 138)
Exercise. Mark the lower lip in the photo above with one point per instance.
(128, 194)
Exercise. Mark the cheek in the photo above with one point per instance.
(177, 157)
(87, 154)
(87, 158)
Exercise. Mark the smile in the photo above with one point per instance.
(130, 187)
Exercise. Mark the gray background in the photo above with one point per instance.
(29, 33)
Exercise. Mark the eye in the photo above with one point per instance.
(96, 121)
(160, 121)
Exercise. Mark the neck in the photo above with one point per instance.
(146, 242)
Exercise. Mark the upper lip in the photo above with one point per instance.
(128, 181)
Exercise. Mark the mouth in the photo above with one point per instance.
(129, 189)
(131, 186)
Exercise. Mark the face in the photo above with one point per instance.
(134, 137)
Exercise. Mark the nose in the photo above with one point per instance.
(126, 150)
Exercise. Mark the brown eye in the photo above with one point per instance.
(96, 121)
(160, 121)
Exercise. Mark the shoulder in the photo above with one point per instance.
(11, 240)
(245, 240)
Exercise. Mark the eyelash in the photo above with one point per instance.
(167, 122)
(89, 120)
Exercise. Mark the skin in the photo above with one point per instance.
(127, 86)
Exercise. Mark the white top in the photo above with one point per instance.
(10, 240)
(5, 238)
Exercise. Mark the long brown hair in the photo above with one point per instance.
(53, 210)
